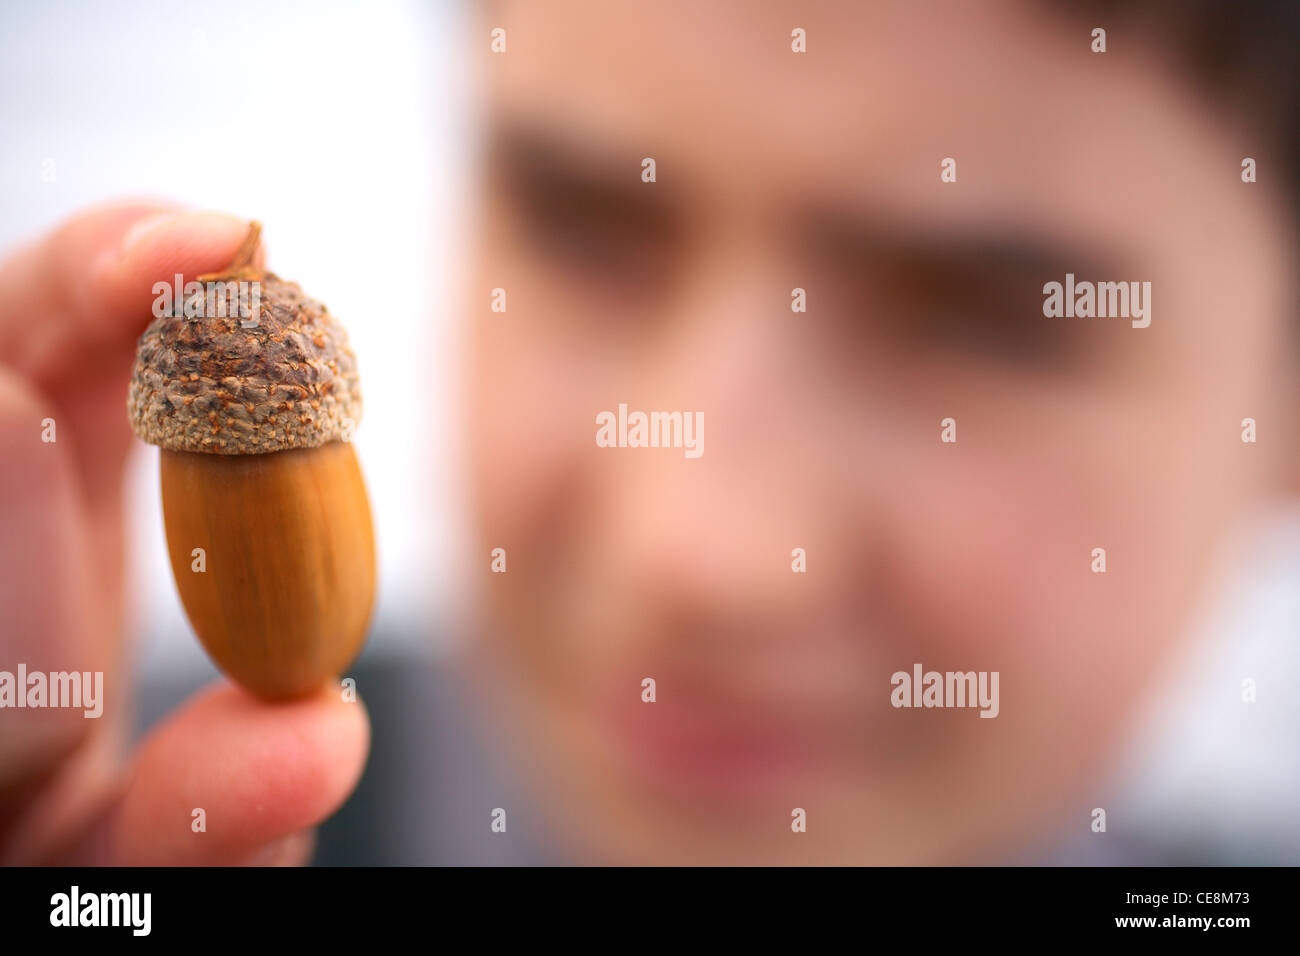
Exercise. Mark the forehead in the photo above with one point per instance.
(1041, 127)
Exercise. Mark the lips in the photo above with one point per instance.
(705, 749)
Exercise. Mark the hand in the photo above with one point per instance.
(71, 309)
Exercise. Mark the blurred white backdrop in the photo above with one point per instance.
(346, 129)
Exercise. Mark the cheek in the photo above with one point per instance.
(519, 392)
(983, 555)
(518, 448)
(996, 555)
(993, 569)
(531, 429)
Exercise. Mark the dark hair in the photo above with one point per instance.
(1244, 57)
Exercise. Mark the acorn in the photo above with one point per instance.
(268, 522)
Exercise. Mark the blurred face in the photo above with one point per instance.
(777, 171)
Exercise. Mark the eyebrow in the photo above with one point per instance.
(996, 249)
(571, 166)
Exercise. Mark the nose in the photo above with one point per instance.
(722, 544)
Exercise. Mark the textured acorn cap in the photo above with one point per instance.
(211, 385)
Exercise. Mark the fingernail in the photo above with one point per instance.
(137, 232)
(293, 850)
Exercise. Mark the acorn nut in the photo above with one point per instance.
(268, 522)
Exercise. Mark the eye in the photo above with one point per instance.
(590, 231)
(995, 317)
(575, 231)
(928, 306)
(968, 295)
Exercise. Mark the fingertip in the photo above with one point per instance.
(258, 772)
(158, 248)
(92, 282)
(201, 238)
(294, 850)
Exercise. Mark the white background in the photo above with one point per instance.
(344, 128)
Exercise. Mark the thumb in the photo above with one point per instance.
(73, 305)
(86, 290)
(233, 780)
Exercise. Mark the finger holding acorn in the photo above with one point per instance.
(268, 521)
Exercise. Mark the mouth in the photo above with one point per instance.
(706, 751)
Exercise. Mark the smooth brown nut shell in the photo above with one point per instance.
(285, 600)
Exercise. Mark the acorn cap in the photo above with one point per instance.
(224, 385)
